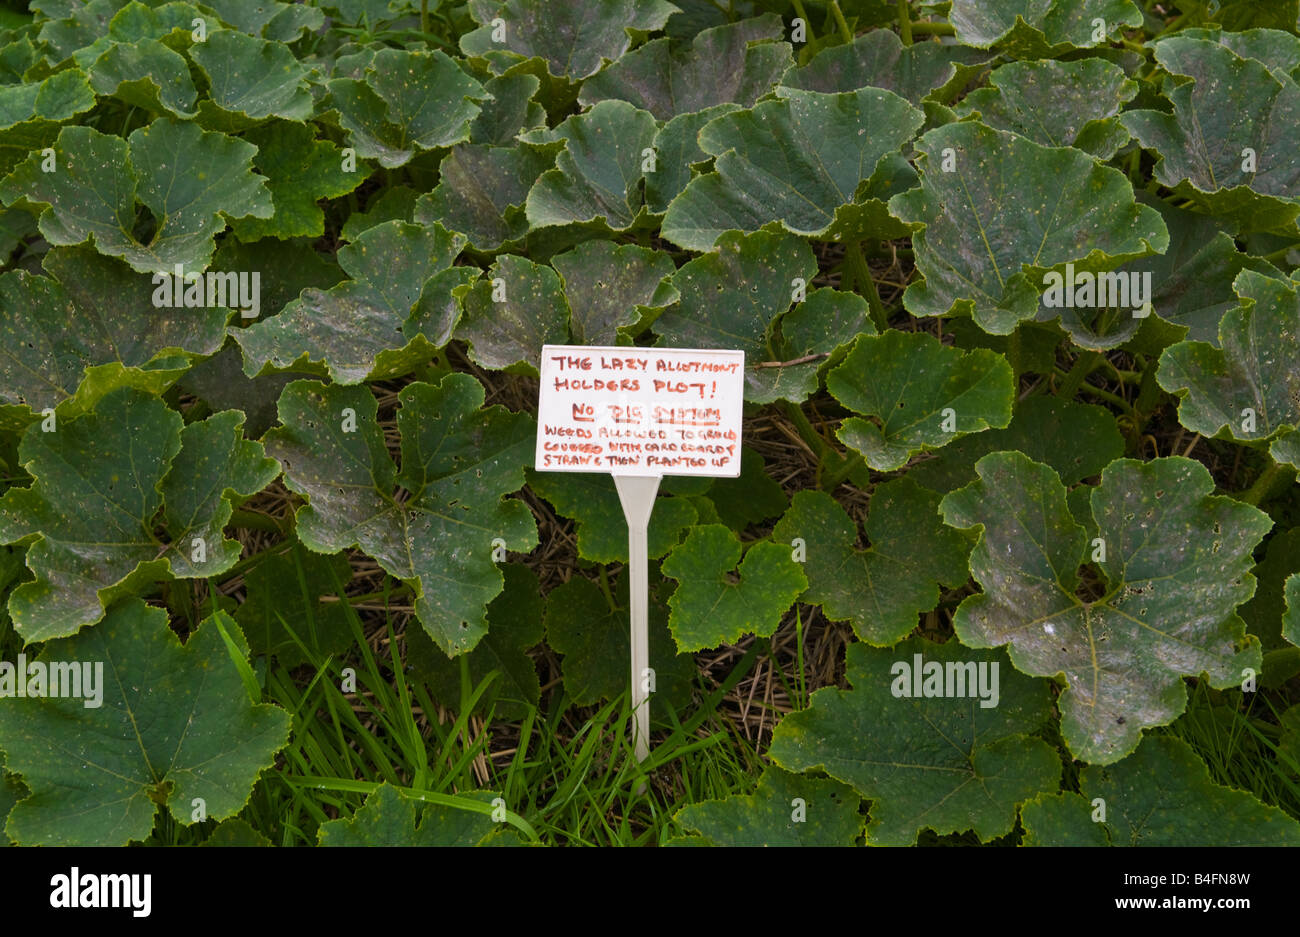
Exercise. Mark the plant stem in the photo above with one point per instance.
(604, 587)
(809, 435)
(424, 16)
(831, 480)
(904, 23)
(1084, 365)
(845, 33)
(798, 638)
(862, 279)
(925, 28)
(1272, 480)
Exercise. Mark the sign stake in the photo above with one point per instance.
(637, 495)
(639, 413)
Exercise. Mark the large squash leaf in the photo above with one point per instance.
(881, 590)
(92, 329)
(100, 178)
(1040, 28)
(921, 393)
(926, 761)
(597, 176)
(173, 725)
(1230, 143)
(407, 102)
(999, 211)
(784, 810)
(356, 327)
(719, 598)
(432, 523)
(879, 59)
(1174, 563)
(574, 38)
(798, 161)
(1249, 386)
(729, 64)
(1161, 795)
(123, 496)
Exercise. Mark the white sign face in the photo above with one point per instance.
(640, 411)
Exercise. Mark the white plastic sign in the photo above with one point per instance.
(639, 414)
(640, 411)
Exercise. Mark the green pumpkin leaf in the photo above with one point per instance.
(597, 176)
(1266, 609)
(593, 637)
(408, 102)
(796, 161)
(458, 463)
(1076, 439)
(284, 593)
(251, 78)
(510, 112)
(730, 64)
(481, 192)
(591, 500)
(1249, 387)
(1229, 106)
(174, 724)
(75, 26)
(280, 22)
(104, 483)
(878, 59)
(514, 625)
(926, 761)
(90, 329)
(1286, 448)
(923, 394)
(145, 74)
(1057, 103)
(730, 295)
(714, 605)
(1190, 285)
(610, 288)
(300, 171)
(1008, 211)
(812, 337)
(677, 148)
(1040, 28)
(825, 813)
(95, 190)
(513, 312)
(355, 328)
(61, 96)
(575, 39)
(1056, 819)
(1161, 795)
(171, 21)
(883, 589)
(1174, 570)
(388, 818)
(235, 832)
